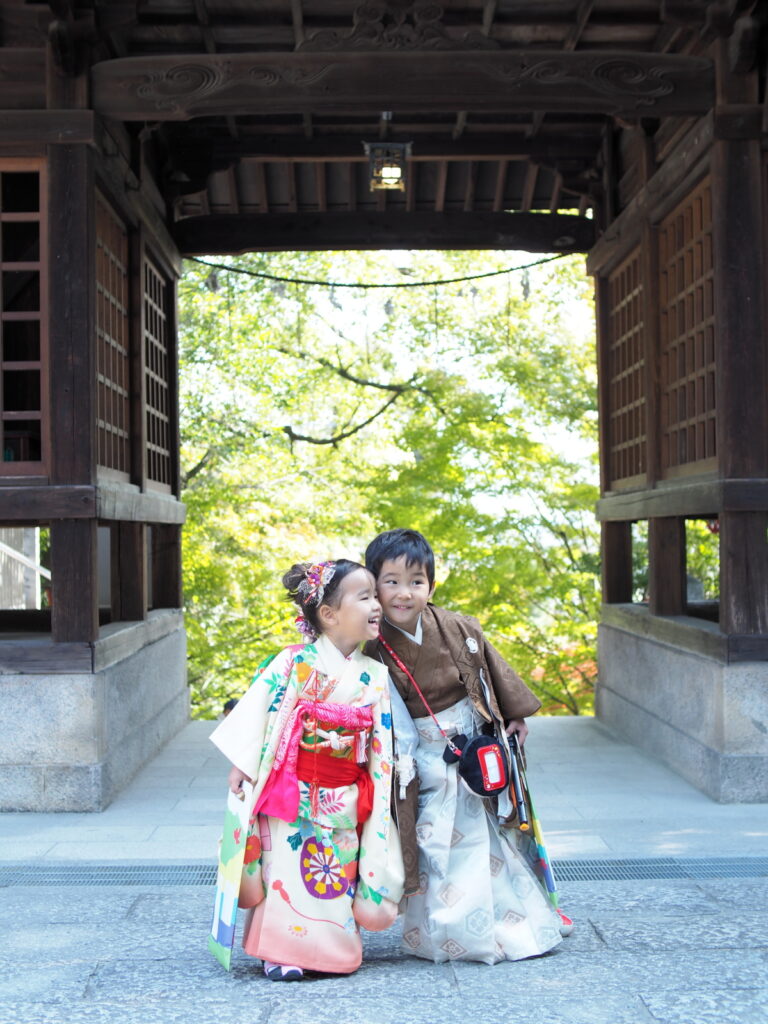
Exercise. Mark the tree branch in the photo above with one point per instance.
(344, 433)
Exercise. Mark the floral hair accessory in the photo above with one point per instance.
(305, 628)
(312, 589)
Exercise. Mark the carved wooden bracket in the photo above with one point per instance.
(178, 87)
(396, 25)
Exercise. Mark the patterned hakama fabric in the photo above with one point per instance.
(478, 899)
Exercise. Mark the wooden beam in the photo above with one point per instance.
(529, 186)
(442, 181)
(322, 199)
(187, 145)
(469, 192)
(47, 127)
(40, 504)
(583, 12)
(352, 187)
(531, 232)
(162, 87)
(261, 189)
(501, 183)
(706, 498)
(410, 187)
(29, 505)
(557, 188)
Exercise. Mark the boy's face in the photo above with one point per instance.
(403, 591)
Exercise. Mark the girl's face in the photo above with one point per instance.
(355, 618)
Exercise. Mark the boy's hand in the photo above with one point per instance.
(236, 778)
(517, 725)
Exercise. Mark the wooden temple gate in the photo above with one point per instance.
(133, 132)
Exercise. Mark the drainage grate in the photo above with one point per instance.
(108, 874)
(697, 868)
(660, 867)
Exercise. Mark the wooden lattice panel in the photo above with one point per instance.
(687, 335)
(112, 341)
(23, 367)
(626, 372)
(156, 374)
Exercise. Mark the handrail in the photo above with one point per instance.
(39, 569)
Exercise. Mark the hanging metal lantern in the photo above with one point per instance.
(387, 164)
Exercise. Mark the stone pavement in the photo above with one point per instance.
(686, 947)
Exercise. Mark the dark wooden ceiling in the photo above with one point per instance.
(258, 109)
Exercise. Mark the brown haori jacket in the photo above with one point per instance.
(453, 659)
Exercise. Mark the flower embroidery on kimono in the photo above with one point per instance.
(322, 872)
(252, 849)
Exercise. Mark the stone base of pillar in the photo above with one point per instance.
(706, 719)
(72, 741)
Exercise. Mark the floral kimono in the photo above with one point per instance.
(322, 856)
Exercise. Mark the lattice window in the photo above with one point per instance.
(687, 335)
(626, 372)
(23, 415)
(112, 341)
(156, 374)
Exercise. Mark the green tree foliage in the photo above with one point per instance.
(313, 417)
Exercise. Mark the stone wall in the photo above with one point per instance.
(708, 720)
(71, 742)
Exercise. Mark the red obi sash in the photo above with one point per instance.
(280, 796)
(321, 769)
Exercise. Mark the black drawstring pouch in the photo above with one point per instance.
(483, 763)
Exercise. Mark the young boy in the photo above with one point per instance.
(470, 893)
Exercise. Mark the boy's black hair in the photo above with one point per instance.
(393, 544)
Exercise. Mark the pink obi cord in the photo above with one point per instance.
(280, 796)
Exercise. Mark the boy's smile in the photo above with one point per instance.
(403, 591)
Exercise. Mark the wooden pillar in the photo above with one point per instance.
(166, 566)
(741, 355)
(666, 566)
(617, 562)
(74, 572)
(129, 572)
(72, 314)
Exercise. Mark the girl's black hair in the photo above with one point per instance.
(393, 545)
(297, 575)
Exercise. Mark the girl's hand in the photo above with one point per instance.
(518, 725)
(236, 778)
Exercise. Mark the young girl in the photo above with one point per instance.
(313, 734)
